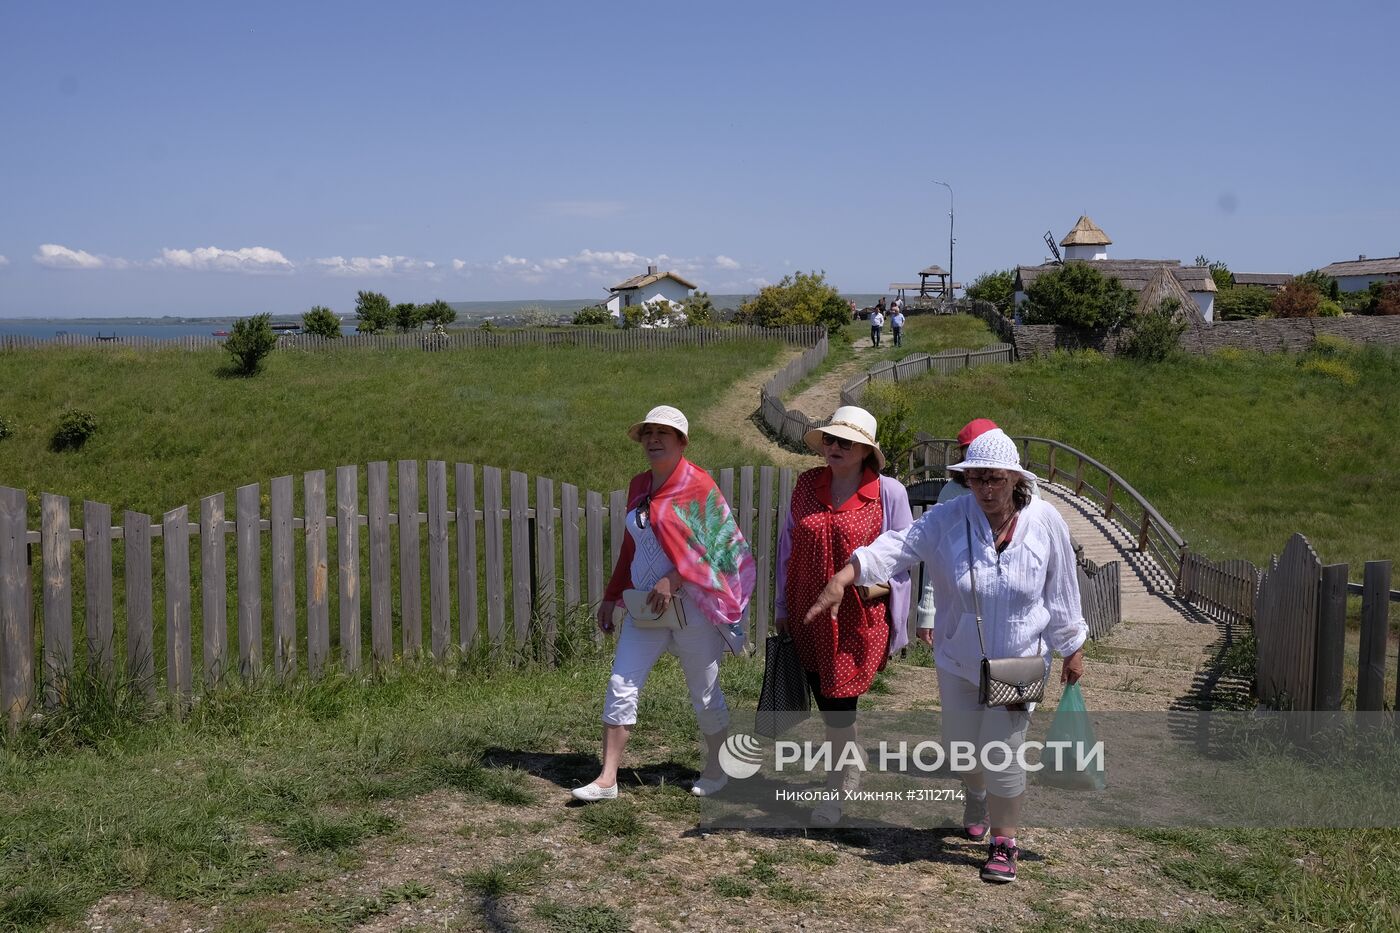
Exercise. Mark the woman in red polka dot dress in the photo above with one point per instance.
(836, 509)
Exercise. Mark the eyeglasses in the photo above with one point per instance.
(644, 512)
(992, 482)
(844, 443)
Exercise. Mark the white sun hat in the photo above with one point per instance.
(663, 415)
(854, 424)
(993, 450)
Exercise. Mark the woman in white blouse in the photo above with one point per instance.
(1018, 548)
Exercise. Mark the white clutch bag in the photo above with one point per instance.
(644, 617)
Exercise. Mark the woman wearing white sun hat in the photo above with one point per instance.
(1017, 549)
(682, 546)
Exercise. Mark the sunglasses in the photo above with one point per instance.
(994, 482)
(844, 443)
(644, 512)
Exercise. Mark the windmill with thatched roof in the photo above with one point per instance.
(1086, 241)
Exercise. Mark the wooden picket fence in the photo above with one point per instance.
(518, 553)
(916, 364)
(469, 338)
(790, 425)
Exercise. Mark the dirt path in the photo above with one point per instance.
(736, 411)
(823, 397)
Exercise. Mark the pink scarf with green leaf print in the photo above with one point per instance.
(697, 531)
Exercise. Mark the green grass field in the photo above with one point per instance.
(171, 430)
(1238, 451)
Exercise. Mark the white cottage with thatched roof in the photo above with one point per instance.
(1089, 244)
(646, 289)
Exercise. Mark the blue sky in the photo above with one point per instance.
(191, 158)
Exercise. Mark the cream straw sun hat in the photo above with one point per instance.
(993, 450)
(852, 423)
(664, 415)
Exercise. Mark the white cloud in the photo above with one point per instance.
(376, 265)
(254, 260)
(61, 257)
(458, 265)
(4, 261)
(724, 262)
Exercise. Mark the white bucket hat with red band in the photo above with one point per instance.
(993, 450)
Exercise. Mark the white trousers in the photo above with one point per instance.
(699, 648)
(967, 720)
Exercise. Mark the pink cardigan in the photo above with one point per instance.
(894, 499)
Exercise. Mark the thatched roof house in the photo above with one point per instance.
(1163, 286)
(1270, 280)
(1355, 275)
(1088, 243)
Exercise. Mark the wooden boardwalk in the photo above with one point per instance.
(1162, 654)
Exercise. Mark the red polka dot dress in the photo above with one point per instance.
(846, 652)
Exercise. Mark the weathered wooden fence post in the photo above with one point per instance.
(1375, 629)
(1331, 638)
(16, 627)
(58, 599)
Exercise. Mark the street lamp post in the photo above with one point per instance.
(949, 295)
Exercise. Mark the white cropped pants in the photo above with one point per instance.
(698, 647)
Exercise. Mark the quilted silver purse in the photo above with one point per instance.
(1004, 681)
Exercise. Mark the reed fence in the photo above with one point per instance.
(474, 338)
(285, 581)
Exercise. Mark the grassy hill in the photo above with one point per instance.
(171, 430)
(1236, 450)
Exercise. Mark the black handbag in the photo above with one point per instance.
(783, 700)
(1004, 681)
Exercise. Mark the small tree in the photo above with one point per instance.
(250, 342)
(1219, 272)
(1078, 295)
(321, 321)
(1297, 299)
(374, 312)
(801, 298)
(438, 313)
(699, 310)
(592, 315)
(1326, 285)
(1152, 335)
(998, 287)
(407, 317)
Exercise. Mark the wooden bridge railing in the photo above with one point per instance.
(1117, 499)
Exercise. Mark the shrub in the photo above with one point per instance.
(1329, 346)
(1328, 308)
(1297, 299)
(1242, 303)
(1336, 369)
(699, 310)
(75, 426)
(1078, 295)
(373, 311)
(321, 322)
(7, 428)
(633, 315)
(1153, 335)
(1388, 302)
(250, 342)
(592, 315)
(998, 287)
(1219, 272)
(800, 298)
(1326, 285)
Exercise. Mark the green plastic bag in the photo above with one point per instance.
(1071, 724)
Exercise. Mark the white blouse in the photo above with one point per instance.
(1029, 593)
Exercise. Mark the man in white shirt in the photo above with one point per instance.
(877, 320)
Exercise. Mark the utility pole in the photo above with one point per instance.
(949, 295)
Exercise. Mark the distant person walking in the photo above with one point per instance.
(877, 321)
(897, 322)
